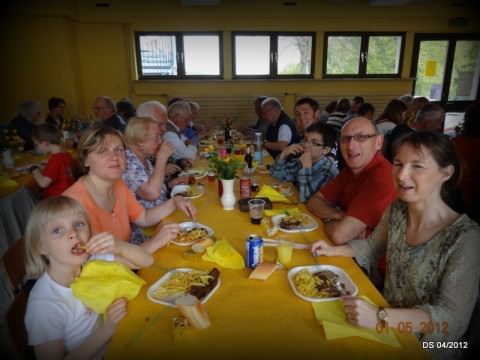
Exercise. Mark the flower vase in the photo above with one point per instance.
(7, 159)
(228, 197)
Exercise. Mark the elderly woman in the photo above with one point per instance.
(432, 275)
(145, 180)
(109, 203)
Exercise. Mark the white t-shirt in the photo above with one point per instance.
(284, 133)
(178, 141)
(53, 313)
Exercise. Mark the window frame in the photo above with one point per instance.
(365, 38)
(451, 38)
(274, 35)
(179, 36)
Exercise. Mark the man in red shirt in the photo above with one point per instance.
(352, 204)
(59, 173)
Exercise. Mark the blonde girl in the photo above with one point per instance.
(58, 242)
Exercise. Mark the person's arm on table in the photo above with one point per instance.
(129, 254)
(42, 181)
(153, 216)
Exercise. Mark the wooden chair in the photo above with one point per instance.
(16, 326)
(13, 262)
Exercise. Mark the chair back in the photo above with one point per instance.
(13, 262)
(16, 326)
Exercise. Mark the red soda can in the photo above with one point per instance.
(244, 187)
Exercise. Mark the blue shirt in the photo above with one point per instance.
(309, 180)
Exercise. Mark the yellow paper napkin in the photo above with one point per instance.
(7, 182)
(224, 255)
(331, 315)
(102, 282)
(289, 211)
(272, 194)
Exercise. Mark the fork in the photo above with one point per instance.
(334, 279)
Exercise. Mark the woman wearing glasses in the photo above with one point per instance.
(109, 203)
(432, 274)
(307, 164)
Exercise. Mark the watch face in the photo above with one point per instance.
(382, 314)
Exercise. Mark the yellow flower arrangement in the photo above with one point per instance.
(226, 168)
(11, 140)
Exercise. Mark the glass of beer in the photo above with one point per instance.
(256, 207)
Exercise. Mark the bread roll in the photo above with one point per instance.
(193, 310)
(263, 271)
(200, 246)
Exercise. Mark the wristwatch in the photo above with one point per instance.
(382, 316)
(33, 168)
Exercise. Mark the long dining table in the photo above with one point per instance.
(251, 319)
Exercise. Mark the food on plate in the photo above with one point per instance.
(192, 191)
(182, 283)
(191, 235)
(293, 222)
(263, 271)
(317, 285)
(202, 290)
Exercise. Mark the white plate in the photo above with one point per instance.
(178, 189)
(311, 225)
(190, 225)
(196, 173)
(170, 301)
(284, 189)
(342, 275)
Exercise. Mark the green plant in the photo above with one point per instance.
(11, 140)
(225, 169)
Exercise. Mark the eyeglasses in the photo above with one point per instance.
(360, 138)
(311, 143)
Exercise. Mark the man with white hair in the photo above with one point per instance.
(158, 112)
(281, 130)
(155, 110)
(179, 114)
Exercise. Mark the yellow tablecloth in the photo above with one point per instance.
(21, 160)
(251, 319)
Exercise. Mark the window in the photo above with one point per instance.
(178, 55)
(363, 54)
(272, 55)
(446, 68)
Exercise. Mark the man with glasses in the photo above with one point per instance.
(281, 130)
(105, 112)
(308, 164)
(352, 204)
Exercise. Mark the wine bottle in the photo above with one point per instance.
(248, 157)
